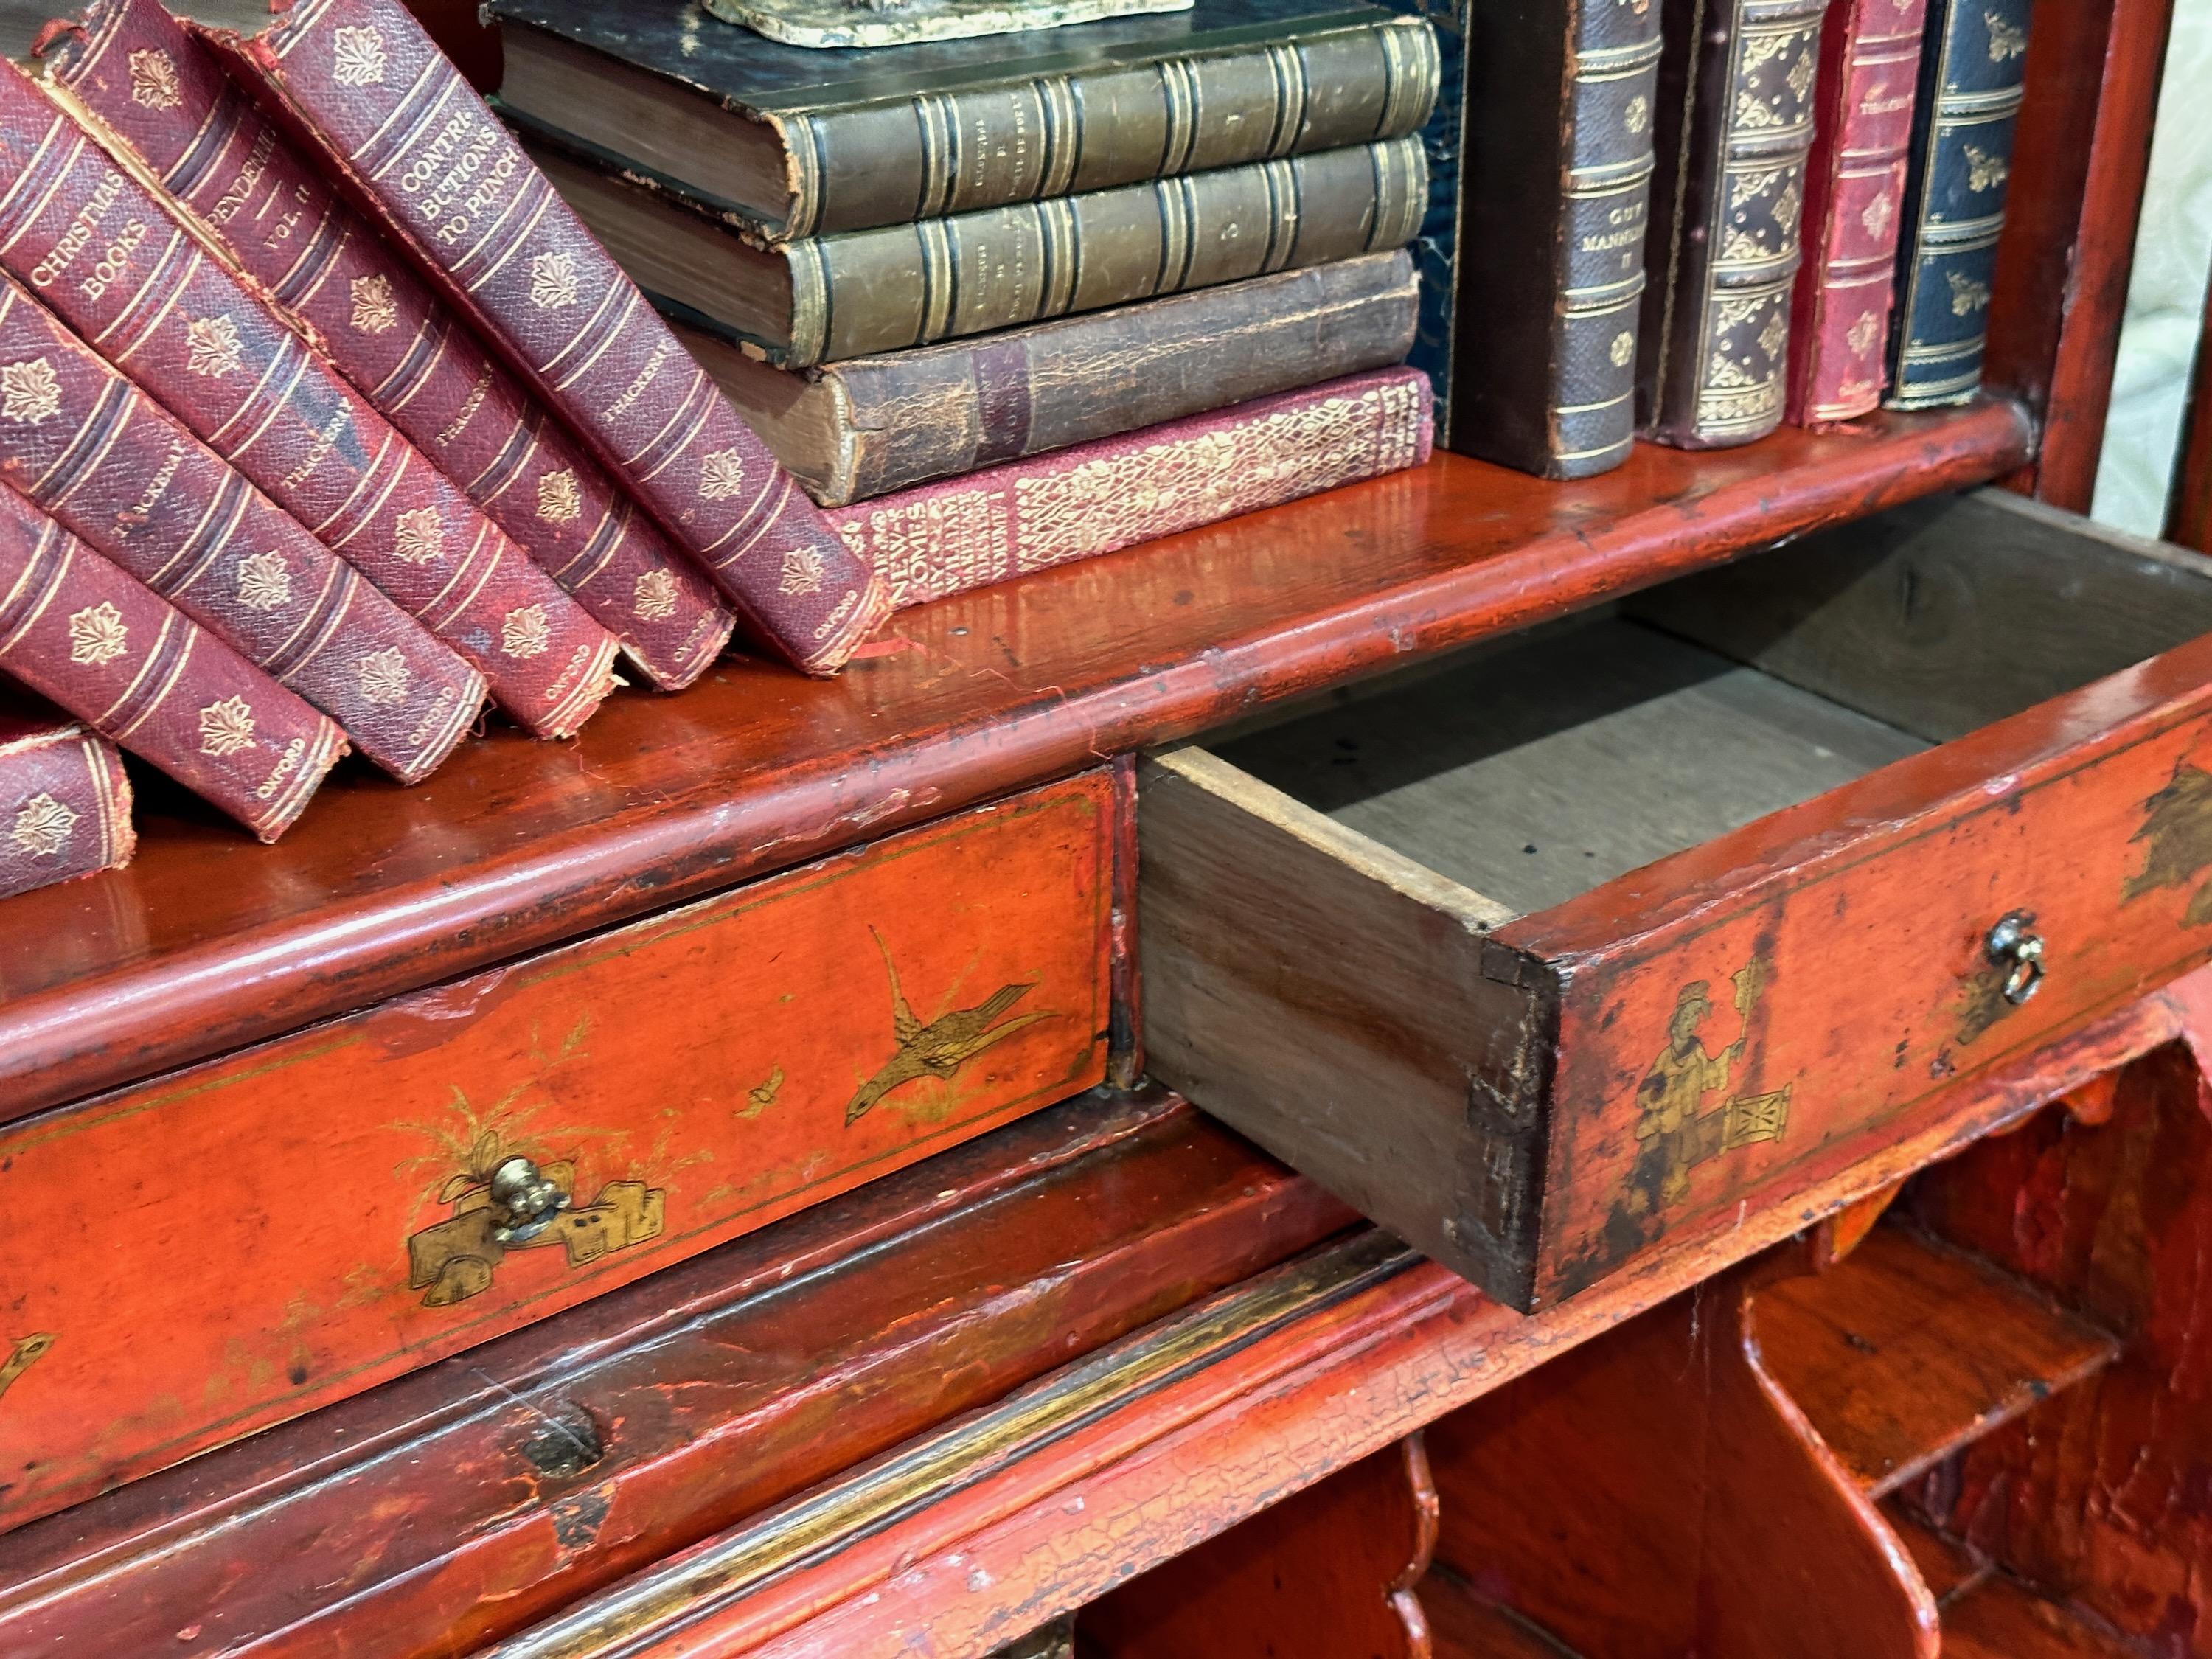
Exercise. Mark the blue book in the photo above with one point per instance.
(1972, 70)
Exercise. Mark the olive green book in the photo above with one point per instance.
(804, 142)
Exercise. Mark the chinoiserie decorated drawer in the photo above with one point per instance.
(1609, 932)
(231, 1245)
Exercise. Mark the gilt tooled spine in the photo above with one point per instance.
(1551, 237)
(1973, 63)
(431, 162)
(940, 153)
(137, 670)
(1735, 120)
(872, 291)
(128, 478)
(65, 798)
(948, 538)
(119, 266)
(149, 86)
(1854, 192)
(911, 417)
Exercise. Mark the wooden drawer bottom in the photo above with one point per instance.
(230, 1246)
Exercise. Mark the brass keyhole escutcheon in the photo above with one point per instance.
(2015, 946)
(525, 1202)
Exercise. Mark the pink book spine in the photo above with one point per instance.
(1854, 198)
(160, 96)
(125, 477)
(140, 672)
(393, 119)
(137, 286)
(65, 798)
(1096, 498)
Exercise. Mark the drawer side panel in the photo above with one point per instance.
(1345, 1009)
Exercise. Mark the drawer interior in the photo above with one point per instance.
(1534, 773)
(1534, 770)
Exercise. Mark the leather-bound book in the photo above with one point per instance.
(803, 141)
(132, 281)
(65, 798)
(1972, 63)
(159, 96)
(863, 292)
(1096, 498)
(1734, 123)
(1555, 179)
(857, 429)
(120, 473)
(140, 672)
(395, 122)
(1854, 198)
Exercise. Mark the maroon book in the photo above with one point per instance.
(140, 672)
(114, 261)
(124, 475)
(428, 160)
(65, 798)
(1854, 194)
(158, 94)
(1098, 497)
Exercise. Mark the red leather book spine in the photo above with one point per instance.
(65, 798)
(1854, 192)
(428, 160)
(161, 96)
(140, 672)
(947, 537)
(126, 477)
(113, 260)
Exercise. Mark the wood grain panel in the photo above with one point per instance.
(1343, 1006)
(1906, 1352)
(302, 1220)
(1947, 616)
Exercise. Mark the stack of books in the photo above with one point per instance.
(1005, 301)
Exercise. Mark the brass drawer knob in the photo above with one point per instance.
(524, 1201)
(2014, 945)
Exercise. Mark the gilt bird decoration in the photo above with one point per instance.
(26, 1349)
(943, 1046)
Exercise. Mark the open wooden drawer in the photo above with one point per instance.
(1603, 935)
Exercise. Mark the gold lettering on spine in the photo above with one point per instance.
(470, 405)
(240, 189)
(453, 187)
(80, 232)
(319, 451)
(636, 388)
(143, 508)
